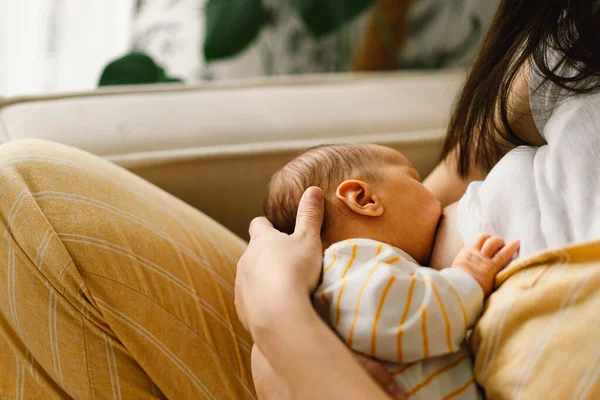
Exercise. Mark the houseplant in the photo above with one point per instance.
(231, 25)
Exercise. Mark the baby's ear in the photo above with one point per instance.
(358, 196)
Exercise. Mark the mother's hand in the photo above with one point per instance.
(277, 267)
(277, 273)
(380, 374)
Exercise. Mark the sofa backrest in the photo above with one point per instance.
(215, 145)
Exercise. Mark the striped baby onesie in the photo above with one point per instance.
(412, 318)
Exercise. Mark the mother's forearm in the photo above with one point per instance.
(266, 382)
(309, 359)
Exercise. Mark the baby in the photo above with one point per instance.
(379, 228)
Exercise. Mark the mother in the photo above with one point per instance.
(535, 82)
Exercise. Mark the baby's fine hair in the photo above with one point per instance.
(324, 166)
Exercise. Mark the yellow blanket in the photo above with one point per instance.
(539, 336)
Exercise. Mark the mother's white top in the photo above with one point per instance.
(546, 196)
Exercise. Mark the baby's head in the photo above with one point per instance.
(370, 192)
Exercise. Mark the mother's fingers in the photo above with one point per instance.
(380, 374)
(311, 211)
(259, 224)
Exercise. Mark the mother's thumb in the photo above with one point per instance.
(310, 213)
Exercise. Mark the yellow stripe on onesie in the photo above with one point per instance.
(412, 318)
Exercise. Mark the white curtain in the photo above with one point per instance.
(49, 46)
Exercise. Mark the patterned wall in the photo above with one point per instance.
(172, 32)
(442, 33)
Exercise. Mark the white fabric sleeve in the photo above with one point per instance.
(398, 311)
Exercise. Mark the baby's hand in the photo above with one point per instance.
(488, 256)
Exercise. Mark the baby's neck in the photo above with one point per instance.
(418, 248)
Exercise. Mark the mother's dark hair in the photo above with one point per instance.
(522, 30)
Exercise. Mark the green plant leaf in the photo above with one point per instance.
(231, 25)
(326, 16)
(134, 69)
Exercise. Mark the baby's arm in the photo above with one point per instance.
(396, 310)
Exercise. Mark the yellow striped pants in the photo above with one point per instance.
(111, 288)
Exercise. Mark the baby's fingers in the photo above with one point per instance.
(480, 241)
(492, 246)
(502, 258)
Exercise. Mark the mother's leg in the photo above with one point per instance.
(110, 287)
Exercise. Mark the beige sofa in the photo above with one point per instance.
(216, 145)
